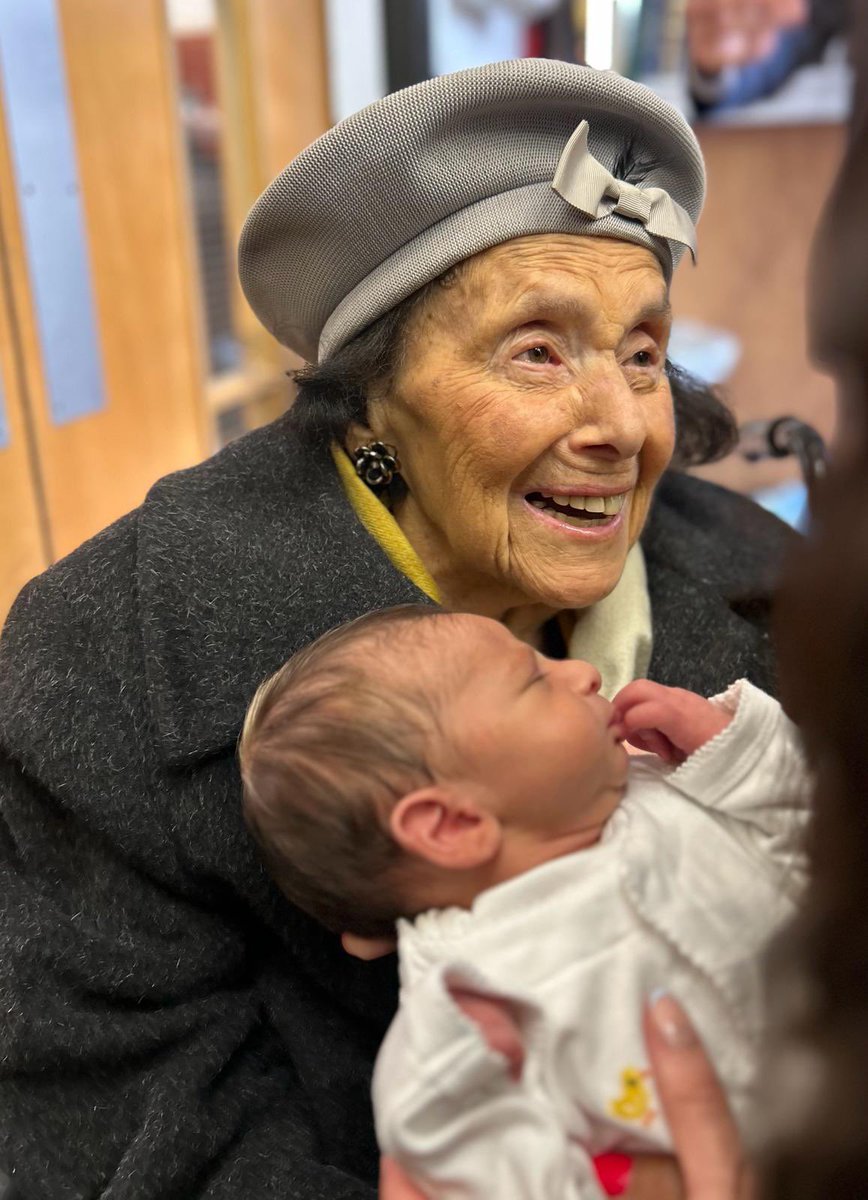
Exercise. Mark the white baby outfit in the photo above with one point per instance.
(695, 871)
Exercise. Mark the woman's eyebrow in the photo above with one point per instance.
(533, 305)
(658, 310)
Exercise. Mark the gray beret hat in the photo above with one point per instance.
(396, 194)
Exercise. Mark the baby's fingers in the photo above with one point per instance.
(654, 742)
(638, 692)
(651, 725)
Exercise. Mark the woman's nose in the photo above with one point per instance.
(609, 417)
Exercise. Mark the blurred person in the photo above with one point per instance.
(477, 270)
(815, 1140)
(819, 1142)
(744, 50)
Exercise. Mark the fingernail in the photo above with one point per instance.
(671, 1020)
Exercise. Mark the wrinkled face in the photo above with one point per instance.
(530, 734)
(533, 418)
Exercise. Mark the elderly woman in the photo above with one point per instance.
(478, 270)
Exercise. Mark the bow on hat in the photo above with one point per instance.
(584, 182)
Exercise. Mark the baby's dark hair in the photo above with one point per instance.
(325, 755)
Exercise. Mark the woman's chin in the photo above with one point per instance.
(561, 596)
(553, 589)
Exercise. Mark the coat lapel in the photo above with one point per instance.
(241, 561)
(713, 562)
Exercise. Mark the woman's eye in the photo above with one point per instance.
(643, 358)
(538, 355)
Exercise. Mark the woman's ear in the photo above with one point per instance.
(445, 829)
(358, 435)
(376, 428)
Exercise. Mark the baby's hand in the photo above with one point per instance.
(670, 722)
(496, 1023)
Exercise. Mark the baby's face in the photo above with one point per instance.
(530, 734)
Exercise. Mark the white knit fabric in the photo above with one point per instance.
(696, 870)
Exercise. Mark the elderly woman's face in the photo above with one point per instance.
(533, 418)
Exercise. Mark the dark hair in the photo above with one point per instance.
(705, 429)
(326, 752)
(333, 394)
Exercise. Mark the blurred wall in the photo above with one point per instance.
(157, 401)
(766, 189)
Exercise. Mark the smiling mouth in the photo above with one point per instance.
(581, 512)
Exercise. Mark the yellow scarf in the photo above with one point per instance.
(383, 527)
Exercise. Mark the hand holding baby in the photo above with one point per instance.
(669, 722)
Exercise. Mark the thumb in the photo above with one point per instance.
(706, 1138)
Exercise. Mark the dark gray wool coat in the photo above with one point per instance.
(172, 1028)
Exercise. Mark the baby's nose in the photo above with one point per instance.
(587, 677)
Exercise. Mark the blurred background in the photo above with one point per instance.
(135, 134)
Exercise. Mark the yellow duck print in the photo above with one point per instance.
(634, 1102)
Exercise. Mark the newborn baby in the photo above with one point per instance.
(429, 769)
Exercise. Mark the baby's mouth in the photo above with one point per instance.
(582, 512)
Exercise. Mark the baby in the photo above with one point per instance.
(429, 769)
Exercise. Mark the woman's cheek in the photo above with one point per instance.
(507, 443)
(655, 458)
(660, 443)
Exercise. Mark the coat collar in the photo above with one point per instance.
(241, 561)
(713, 559)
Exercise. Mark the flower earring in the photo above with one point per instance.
(376, 464)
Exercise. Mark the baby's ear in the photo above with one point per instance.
(445, 828)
